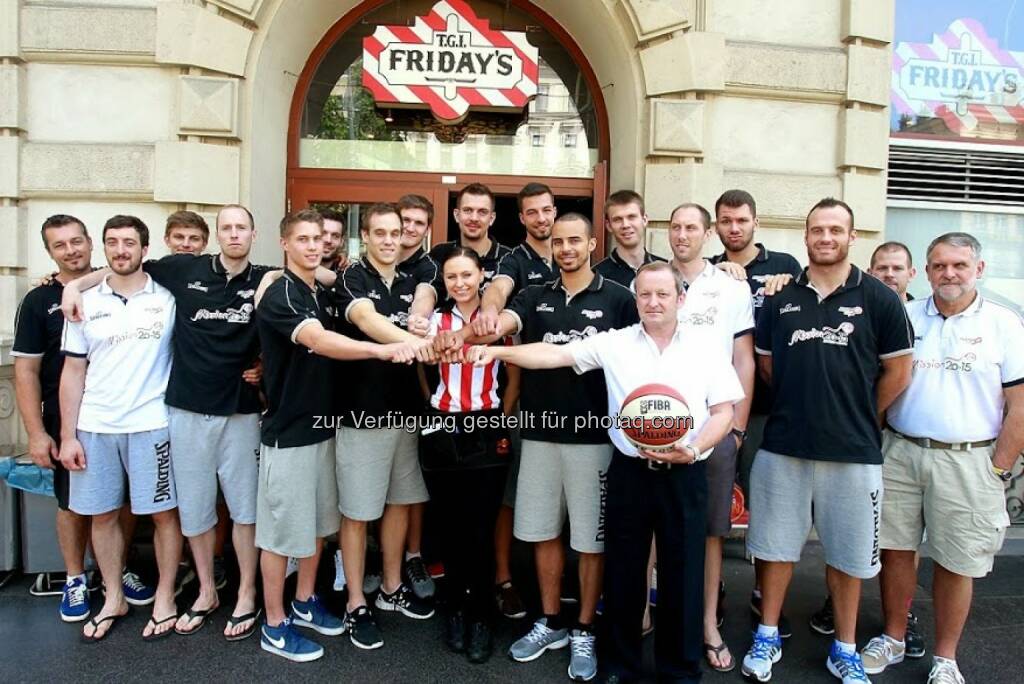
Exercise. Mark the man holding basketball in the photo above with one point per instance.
(651, 493)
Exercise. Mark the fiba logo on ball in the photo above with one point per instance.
(655, 417)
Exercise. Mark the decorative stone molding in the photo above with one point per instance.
(10, 22)
(866, 194)
(116, 32)
(864, 138)
(50, 169)
(869, 19)
(784, 197)
(668, 185)
(243, 8)
(208, 106)
(196, 173)
(677, 128)
(190, 35)
(685, 62)
(10, 166)
(12, 96)
(11, 237)
(867, 75)
(786, 70)
(653, 18)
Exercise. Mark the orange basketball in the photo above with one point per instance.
(655, 417)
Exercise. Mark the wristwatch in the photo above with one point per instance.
(1002, 473)
(742, 434)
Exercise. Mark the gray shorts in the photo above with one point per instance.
(721, 474)
(560, 479)
(145, 457)
(297, 501)
(377, 467)
(206, 450)
(842, 500)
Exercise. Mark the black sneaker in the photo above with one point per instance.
(481, 643)
(913, 639)
(220, 573)
(419, 579)
(455, 632)
(785, 629)
(824, 621)
(362, 629)
(509, 603)
(405, 602)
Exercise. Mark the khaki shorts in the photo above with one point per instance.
(954, 494)
(377, 467)
(297, 500)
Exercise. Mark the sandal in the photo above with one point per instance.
(154, 635)
(191, 614)
(235, 620)
(718, 651)
(96, 622)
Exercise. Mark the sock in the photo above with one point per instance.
(409, 555)
(554, 621)
(891, 640)
(585, 627)
(72, 578)
(939, 659)
(846, 648)
(765, 630)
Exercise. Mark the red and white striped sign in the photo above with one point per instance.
(450, 61)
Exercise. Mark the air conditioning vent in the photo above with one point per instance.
(956, 175)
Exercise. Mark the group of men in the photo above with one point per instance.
(175, 381)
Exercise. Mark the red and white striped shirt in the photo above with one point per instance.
(464, 386)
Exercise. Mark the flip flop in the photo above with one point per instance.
(191, 615)
(717, 650)
(154, 636)
(239, 619)
(112, 619)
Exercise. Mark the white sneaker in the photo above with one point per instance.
(339, 572)
(880, 653)
(293, 567)
(944, 671)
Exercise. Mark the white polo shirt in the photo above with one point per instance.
(630, 359)
(719, 306)
(128, 345)
(961, 366)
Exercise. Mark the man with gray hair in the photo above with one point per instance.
(949, 475)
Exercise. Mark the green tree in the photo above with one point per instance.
(353, 115)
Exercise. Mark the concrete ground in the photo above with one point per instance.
(35, 646)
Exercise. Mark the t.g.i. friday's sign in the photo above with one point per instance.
(450, 61)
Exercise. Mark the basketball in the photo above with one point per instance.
(655, 417)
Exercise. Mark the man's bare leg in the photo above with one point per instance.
(108, 546)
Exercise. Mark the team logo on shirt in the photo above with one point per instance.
(240, 315)
(246, 294)
(957, 364)
(851, 311)
(789, 308)
(53, 309)
(401, 319)
(405, 297)
(591, 314)
(707, 317)
(534, 276)
(198, 285)
(154, 309)
(971, 340)
(838, 336)
(99, 315)
(571, 336)
(759, 278)
(545, 308)
(758, 298)
(372, 294)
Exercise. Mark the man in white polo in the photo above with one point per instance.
(953, 437)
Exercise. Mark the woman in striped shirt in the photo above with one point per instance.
(464, 452)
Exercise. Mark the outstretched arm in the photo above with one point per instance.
(539, 355)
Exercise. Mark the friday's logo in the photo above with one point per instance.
(838, 336)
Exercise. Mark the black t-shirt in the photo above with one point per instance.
(613, 267)
(490, 263)
(547, 314)
(38, 327)
(421, 267)
(524, 267)
(371, 386)
(763, 265)
(825, 366)
(295, 380)
(214, 339)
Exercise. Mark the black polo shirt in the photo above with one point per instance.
(763, 265)
(616, 268)
(296, 380)
(371, 386)
(213, 340)
(524, 267)
(37, 333)
(490, 262)
(546, 313)
(825, 366)
(421, 267)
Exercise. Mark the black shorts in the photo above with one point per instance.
(61, 477)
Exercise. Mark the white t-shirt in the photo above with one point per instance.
(128, 346)
(630, 359)
(718, 306)
(961, 366)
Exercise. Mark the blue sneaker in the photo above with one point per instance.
(74, 605)
(763, 653)
(135, 592)
(846, 666)
(284, 641)
(312, 613)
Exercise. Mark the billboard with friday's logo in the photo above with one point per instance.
(450, 61)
